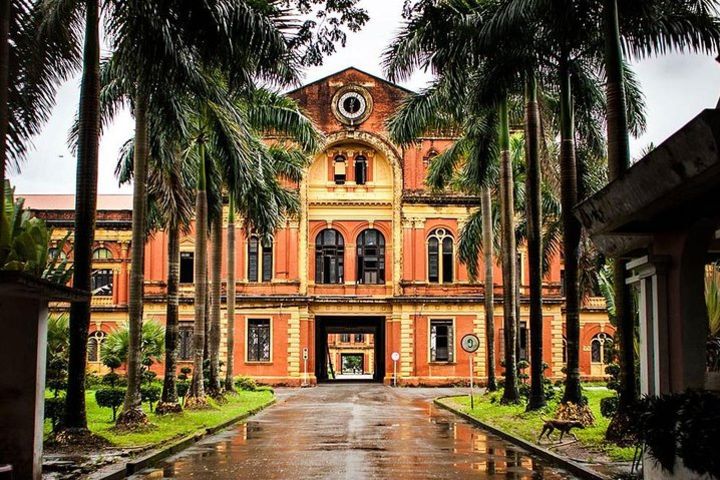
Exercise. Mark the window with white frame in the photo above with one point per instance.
(441, 340)
(601, 348)
(258, 340)
(440, 245)
(95, 341)
(185, 341)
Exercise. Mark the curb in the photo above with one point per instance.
(134, 466)
(573, 467)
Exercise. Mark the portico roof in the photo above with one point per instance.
(674, 186)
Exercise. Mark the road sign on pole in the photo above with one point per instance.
(470, 343)
(395, 357)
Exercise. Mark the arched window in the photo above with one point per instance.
(329, 257)
(102, 253)
(440, 256)
(339, 167)
(601, 348)
(260, 260)
(371, 257)
(361, 168)
(95, 341)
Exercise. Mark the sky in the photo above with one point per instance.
(676, 88)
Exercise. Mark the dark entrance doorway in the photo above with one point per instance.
(327, 325)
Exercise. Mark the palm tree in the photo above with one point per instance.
(170, 184)
(487, 234)
(231, 293)
(215, 303)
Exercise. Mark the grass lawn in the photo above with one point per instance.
(513, 419)
(170, 427)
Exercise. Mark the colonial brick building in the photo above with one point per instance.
(373, 253)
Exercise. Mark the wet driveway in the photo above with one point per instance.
(355, 431)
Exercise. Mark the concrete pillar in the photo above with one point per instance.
(22, 383)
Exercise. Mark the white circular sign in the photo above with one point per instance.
(470, 343)
(395, 356)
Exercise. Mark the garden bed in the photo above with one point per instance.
(590, 449)
(163, 431)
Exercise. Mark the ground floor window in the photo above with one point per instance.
(95, 341)
(187, 267)
(601, 348)
(185, 342)
(258, 340)
(441, 341)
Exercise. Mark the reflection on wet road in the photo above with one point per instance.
(355, 432)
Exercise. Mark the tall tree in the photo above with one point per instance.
(85, 211)
(533, 208)
(215, 302)
(231, 293)
(488, 282)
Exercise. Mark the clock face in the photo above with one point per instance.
(352, 105)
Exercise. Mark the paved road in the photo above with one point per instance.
(355, 431)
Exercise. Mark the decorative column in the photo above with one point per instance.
(407, 342)
(294, 349)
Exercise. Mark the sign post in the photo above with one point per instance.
(395, 357)
(470, 343)
(305, 360)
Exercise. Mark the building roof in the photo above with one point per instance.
(673, 186)
(67, 202)
(319, 80)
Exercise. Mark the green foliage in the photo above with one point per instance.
(54, 409)
(58, 347)
(115, 347)
(609, 406)
(92, 381)
(683, 425)
(183, 386)
(110, 397)
(150, 393)
(114, 380)
(712, 299)
(246, 384)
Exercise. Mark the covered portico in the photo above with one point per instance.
(664, 214)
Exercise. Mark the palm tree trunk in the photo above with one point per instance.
(534, 244)
(4, 94)
(169, 393)
(509, 258)
(85, 206)
(197, 387)
(132, 407)
(215, 307)
(571, 237)
(618, 163)
(229, 381)
(487, 228)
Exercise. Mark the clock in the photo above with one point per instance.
(352, 105)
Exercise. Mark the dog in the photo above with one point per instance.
(562, 426)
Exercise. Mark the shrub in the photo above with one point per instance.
(609, 406)
(150, 393)
(54, 408)
(245, 383)
(93, 381)
(265, 388)
(112, 379)
(110, 397)
(183, 386)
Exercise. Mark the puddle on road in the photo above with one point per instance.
(426, 443)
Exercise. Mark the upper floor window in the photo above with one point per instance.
(260, 260)
(441, 341)
(359, 338)
(345, 338)
(95, 341)
(371, 257)
(102, 253)
(440, 256)
(361, 169)
(187, 267)
(56, 254)
(101, 282)
(329, 257)
(340, 170)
